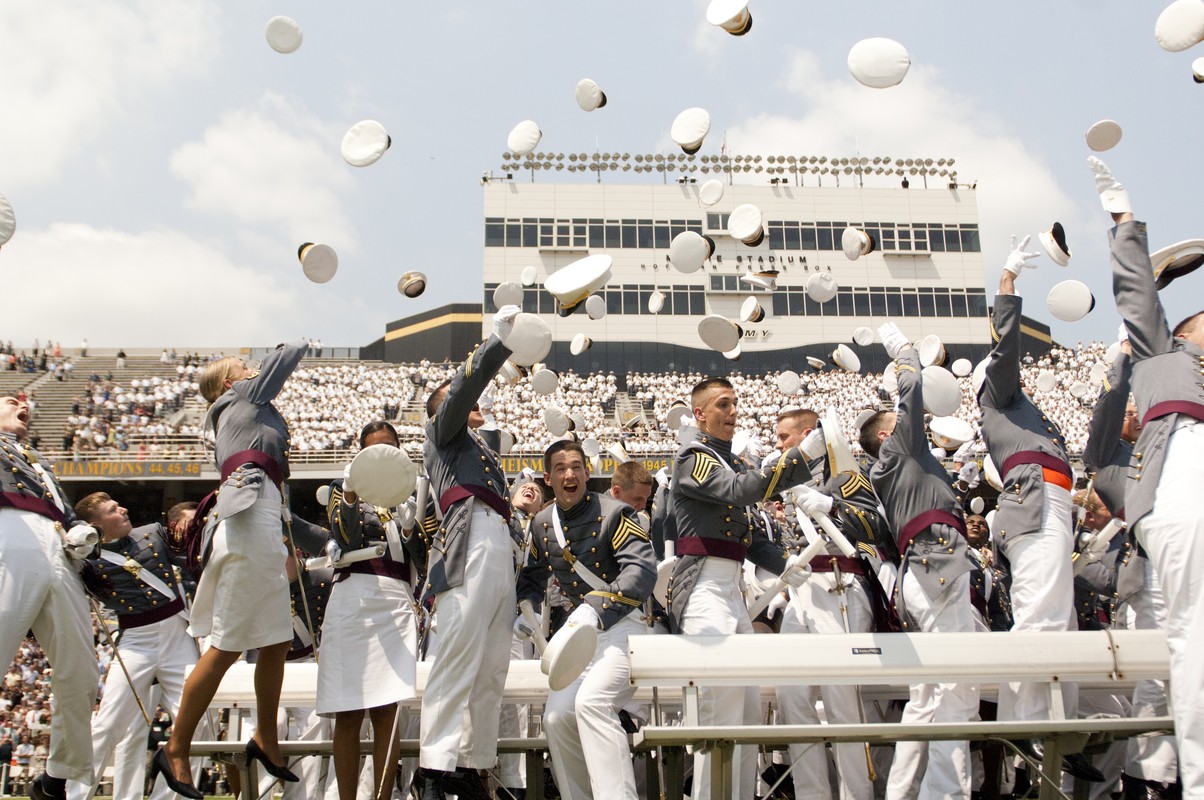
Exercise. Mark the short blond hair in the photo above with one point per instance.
(214, 375)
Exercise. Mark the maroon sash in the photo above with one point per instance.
(1188, 407)
(716, 548)
(37, 505)
(921, 523)
(487, 496)
(191, 540)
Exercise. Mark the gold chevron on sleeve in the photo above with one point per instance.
(704, 467)
(867, 549)
(855, 483)
(627, 527)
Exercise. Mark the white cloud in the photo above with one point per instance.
(274, 165)
(138, 289)
(72, 68)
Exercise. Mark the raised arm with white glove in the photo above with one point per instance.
(585, 614)
(80, 541)
(796, 572)
(1018, 258)
(892, 339)
(1112, 192)
(503, 321)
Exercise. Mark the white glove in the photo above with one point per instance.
(522, 628)
(1112, 192)
(771, 459)
(80, 541)
(503, 321)
(347, 480)
(407, 514)
(662, 477)
(1018, 260)
(485, 402)
(965, 452)
(1122, 333)
(968, 474)
(814, 445)
(777, 604)
(812, 501)
(797, 571)
(334, 552)
(584, 614)
(893, 339)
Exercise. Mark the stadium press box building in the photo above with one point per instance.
(925, 273)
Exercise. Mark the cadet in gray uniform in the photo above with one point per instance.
(471, 575)
(1114, 428)
(132, 574)
(1034, 517)
(597, 549)
(1162, 504)
(42, 591)
(242, 599)
(712, 490)
(932, 592)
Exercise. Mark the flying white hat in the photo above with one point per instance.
(690, 128)
(731, 15)
(319, 262)
(524, 137)
(283, 34)
(365, 143)
(879, 63)
(589, 96)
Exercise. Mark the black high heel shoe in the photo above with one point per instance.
(160, 766)
(279, 771)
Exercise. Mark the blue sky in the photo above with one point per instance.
(164, 163)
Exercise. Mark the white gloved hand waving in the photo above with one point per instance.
(1018, 259)
(893, 339)
(347, 480)
(1112, 192)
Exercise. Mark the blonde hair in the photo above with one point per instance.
(213, 377)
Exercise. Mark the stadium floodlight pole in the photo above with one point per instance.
(104, 628)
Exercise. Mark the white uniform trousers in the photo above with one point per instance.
(130, 755)
(1152, 758)
(591, 757)
(815, 608)
(715, 607)
(463, 698)
(1173, 536)
(40, 591)
(1042, 592)
(948, 763)
(161, 650)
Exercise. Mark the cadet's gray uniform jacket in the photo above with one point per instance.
(1106, 454)
(1022, 441)
(711, 492)
(456, 456)
(122, 588)
(1168, 373)
(244, 419)
(606, 537)
(316, 585)
(22, 487)
(915, 492)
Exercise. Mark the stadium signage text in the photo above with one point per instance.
(516, 464)
(127, 469)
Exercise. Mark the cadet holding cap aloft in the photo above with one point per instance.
(932, 592)
(41, 545)
(1162, 504)
(596, 548)
(711, 492)
(471, 574)
(1034, 517)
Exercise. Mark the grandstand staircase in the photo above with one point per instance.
(55, 397)
(628, 411)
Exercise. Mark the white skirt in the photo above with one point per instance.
(368, 656)
(242, 600)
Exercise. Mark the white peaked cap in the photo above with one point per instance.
(283, 34)
(524, 137)
(879, 63)
(318, 261)
(365, 143)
